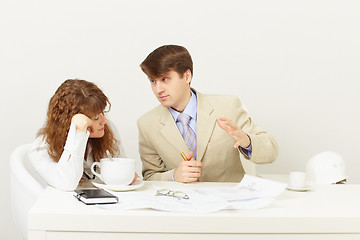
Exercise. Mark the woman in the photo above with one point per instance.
(75, 135)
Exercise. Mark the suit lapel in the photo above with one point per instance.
(206, 121)
(170, 131)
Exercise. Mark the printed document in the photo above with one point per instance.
(251, 193)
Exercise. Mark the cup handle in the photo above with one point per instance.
(93, 169)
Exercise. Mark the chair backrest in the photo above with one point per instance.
(25, 186)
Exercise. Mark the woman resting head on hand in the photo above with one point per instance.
(83, 103)
(75, 134)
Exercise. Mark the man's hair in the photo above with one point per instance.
(167, 58)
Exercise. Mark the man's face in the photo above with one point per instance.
(172, 90)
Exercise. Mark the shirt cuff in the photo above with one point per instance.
(172, 175)
(247, 150)
(76, 141)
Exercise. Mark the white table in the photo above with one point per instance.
(329, 212)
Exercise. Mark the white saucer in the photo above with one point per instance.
(307, 188)
(137, 184)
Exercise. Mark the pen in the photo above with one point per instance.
(184, 157)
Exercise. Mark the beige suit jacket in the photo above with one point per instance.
(161, 143)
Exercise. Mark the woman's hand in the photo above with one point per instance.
(81, 121)
(136, 176)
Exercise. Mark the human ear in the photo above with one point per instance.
(188, 76)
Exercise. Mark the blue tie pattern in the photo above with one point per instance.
(188, 134)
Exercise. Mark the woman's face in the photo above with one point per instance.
(97, 128)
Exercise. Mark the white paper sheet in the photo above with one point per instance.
(250, 187)
(251, 193)
(196, 202)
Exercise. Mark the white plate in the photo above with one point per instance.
(307, 188)
(137, 184)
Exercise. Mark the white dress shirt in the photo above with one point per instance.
(68, 171)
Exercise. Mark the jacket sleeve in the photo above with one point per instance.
(67, 172)
(154, 168)
(264, 146)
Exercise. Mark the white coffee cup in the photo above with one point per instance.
(119, 171)
(297, 180)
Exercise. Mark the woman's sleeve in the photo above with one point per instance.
(67, 172)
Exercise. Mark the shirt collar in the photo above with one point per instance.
(190, 109)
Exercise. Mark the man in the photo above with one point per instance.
(213, 131)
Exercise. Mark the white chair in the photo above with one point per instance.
(25, 186)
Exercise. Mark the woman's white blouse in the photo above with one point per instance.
(67, 172)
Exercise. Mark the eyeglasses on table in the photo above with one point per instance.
(171, 193)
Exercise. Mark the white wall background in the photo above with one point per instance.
(295, 64)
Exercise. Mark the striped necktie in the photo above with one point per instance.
(188, 134)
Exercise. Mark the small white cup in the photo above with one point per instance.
(297, 180)
(119, 171)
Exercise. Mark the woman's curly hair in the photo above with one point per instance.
(72, 97)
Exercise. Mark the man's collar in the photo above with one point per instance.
(190, 109)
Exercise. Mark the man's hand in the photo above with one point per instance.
(241, 138)
(188, 171)
(81, 121)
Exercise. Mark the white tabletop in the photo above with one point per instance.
(324, 210)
